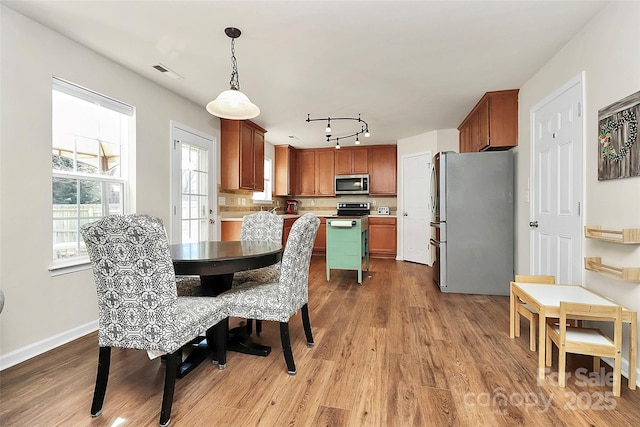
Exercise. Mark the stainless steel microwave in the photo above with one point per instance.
(352, 184)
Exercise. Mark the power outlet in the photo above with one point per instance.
(374, 202)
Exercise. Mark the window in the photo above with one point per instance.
(90, 135)
(265, 196)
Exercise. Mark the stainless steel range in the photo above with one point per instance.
(353, 208)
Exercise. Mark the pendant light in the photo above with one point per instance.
(233, 104)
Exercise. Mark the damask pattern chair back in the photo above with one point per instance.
(262, 226)
(135, 282)
(294, 271)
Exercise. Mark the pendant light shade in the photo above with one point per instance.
(233, 104)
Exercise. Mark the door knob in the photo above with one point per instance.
(533, 224)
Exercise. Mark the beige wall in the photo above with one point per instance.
(42, 311)
(608, 51)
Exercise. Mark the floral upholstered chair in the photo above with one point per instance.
(280, 300)
(260, 227)
(137, 302)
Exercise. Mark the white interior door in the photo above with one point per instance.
(193, 189)
(556, 225)
(416, 213)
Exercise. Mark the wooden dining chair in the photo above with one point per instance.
(280, 300)
(260, 226)
(138, 306)
(587, 341)
(526, 311)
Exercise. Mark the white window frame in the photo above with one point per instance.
(266, 196)
(80, 262)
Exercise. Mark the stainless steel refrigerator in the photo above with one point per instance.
(473, 221)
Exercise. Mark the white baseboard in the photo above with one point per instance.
(37, 348)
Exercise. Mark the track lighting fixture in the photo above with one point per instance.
(364, 129)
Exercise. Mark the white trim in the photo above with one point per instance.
(32, 350)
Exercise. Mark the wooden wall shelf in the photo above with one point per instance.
(628, 236)
(628, 274)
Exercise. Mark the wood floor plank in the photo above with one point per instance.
(394, 351)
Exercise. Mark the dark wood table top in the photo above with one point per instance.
(218, 258)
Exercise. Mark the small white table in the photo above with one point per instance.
(545, 300)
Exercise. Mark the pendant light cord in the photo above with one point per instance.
(234, 82)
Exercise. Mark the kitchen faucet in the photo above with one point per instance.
(273, 209)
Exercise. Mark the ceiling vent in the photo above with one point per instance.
(167, 72)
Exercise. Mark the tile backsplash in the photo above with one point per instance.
(233, 204)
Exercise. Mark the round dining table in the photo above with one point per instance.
(215, 262)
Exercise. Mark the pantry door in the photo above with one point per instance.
(556, 181)
(416, 213)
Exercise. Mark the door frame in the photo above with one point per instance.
(579, 79)
(175, 200)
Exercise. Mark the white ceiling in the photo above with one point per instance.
(407, 67)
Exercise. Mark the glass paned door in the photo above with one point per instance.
(193, 192)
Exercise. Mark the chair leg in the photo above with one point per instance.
(249, 327)
(104, 361)
(548, 350)
(258, 326)
(307, 325)
(221, 330)
(533, 326)
(617, 368)
(286, 347)
(562, 366)
(171, 369)
(596, 364)
(516, 324)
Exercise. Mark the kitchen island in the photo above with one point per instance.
(347, 244)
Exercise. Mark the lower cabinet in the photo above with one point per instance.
(288, 223)
(383, 234)
(230, 230)
(320, 244)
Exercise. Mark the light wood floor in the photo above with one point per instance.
(392, 352)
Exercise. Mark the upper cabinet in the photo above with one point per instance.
(311, 172)
(382, 170)
(492, 124)
(352, 161)
(286, 177)
(316, 172)
(241, 155)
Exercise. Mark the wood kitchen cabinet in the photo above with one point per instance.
(286, 177)
(288, 223)
(241, 155)
(316, 172)
(230, 230)
(492, 124)
(382, 170)
(382, 237)
(320, 244)
(352, 161)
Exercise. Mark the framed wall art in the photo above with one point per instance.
(618, 146)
